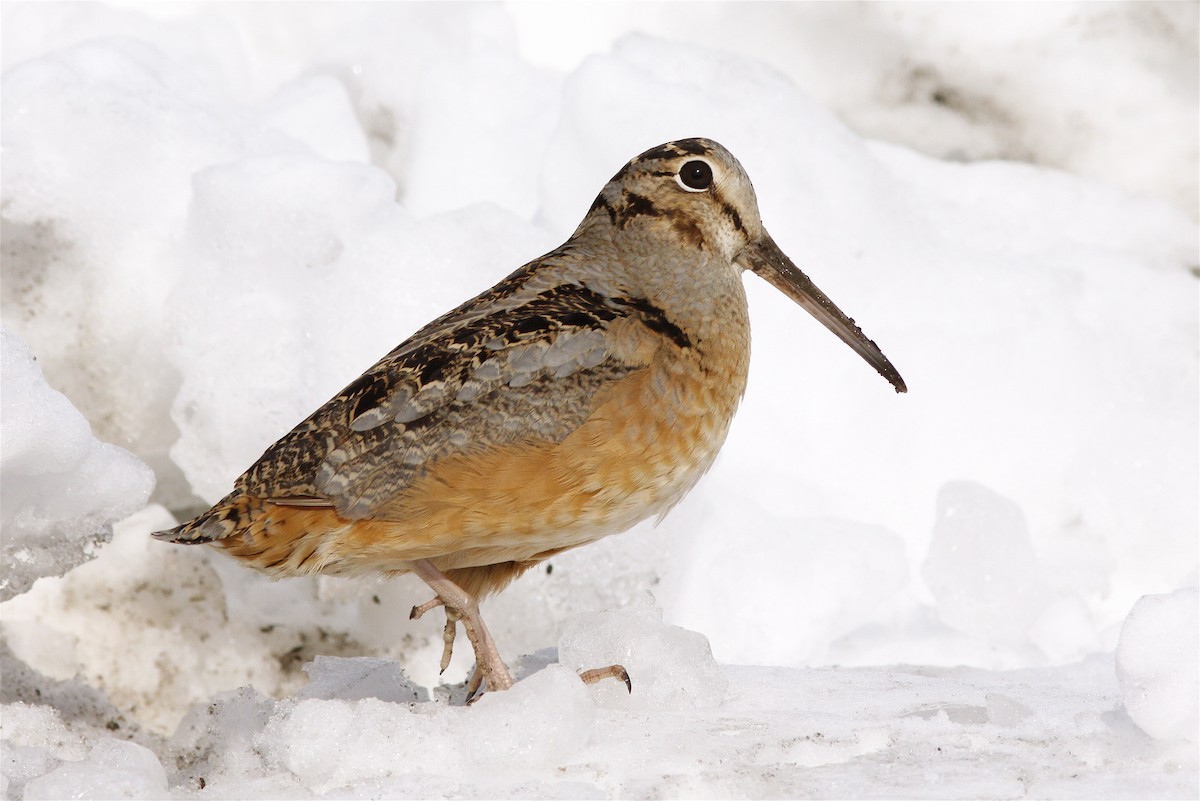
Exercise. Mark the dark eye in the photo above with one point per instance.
(695, 176)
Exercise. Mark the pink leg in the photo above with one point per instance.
(489, 665)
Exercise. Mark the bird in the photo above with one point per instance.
(587, 391)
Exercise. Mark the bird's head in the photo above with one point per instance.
(693, 194)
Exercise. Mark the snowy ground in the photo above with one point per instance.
(214, 216)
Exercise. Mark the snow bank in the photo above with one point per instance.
(1094, 89)
(84, 286)
(822, 733)
(213, 221)
(62, 488)
(1158, 661)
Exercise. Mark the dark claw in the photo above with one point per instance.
(611, 672)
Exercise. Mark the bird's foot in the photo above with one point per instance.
(418, 611)
(462, 607)
(448, 633)
(611, 672)
(489, 667)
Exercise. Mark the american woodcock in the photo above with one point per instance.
(585, 392)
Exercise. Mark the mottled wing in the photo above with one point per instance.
(493, 372)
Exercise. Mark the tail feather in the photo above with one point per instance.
(223, 520)
(288, 537)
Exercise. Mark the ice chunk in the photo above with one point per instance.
(113, 769)
(41, 727)
(669, 666)
(22, 763)
(1158, 661)
(331, 744)
(981, 566)
(538, 724)
(62, 488)
(35, 742)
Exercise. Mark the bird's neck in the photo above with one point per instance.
(705, 298)
(697, 290)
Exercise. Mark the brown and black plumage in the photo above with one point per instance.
(585, 392)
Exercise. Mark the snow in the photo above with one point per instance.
(113, 769)
(978, 565)
(856, 568)
(215, 216)
(790, 732)
(62, 487)
(1158, 659)
(1068, 85)
(672, 667)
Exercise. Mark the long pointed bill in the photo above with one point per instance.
(766, 259)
